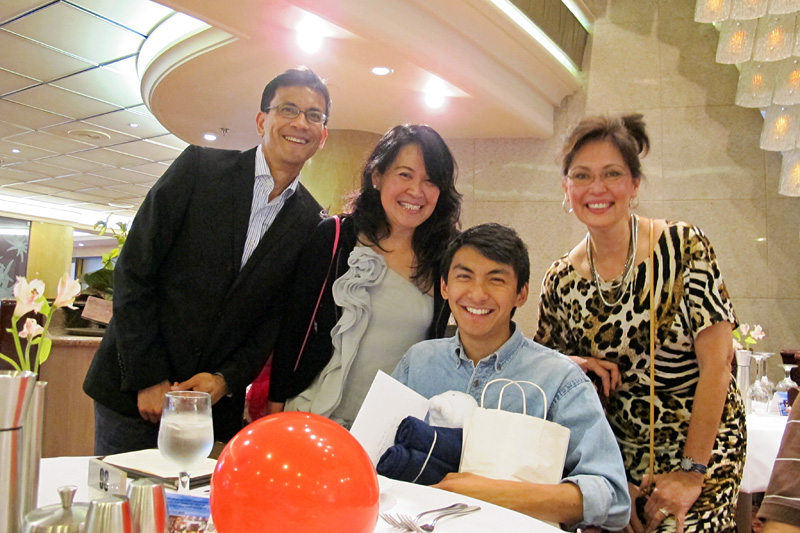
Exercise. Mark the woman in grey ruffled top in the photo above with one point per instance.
(381, 292)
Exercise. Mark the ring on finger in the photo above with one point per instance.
(664, 512)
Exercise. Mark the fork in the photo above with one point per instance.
(402, 521)
(427, 528)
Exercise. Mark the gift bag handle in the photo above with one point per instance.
(517, 383)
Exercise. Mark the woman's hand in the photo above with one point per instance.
(673, 494)
(607, 371)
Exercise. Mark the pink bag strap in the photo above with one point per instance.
(319, 299)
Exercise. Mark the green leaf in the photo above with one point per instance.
(44, 350)
(102, 280)
(10, 361)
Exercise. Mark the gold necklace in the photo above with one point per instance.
(623, 285)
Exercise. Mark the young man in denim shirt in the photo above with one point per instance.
(485, 278)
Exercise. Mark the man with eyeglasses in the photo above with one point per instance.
(203, 276)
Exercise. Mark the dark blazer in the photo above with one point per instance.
(181, 303)
(313, 268)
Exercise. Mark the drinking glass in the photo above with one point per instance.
(759, 395)
(787, 382)
(762, 357)
(186, 433)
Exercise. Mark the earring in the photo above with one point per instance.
(633, 203)
(374, 185)
(565, 205)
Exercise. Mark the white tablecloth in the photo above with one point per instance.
(764, 434)
(396, 496)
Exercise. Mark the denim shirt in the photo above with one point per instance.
(593, 463)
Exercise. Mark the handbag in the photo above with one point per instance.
(258, 391)
(512, 446)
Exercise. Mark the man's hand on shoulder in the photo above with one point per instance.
(151, 401)
(214, 384)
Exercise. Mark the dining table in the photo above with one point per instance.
(395, 497)
(764, 434)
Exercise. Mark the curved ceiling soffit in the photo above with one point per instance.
(176, 41)
(505, 79)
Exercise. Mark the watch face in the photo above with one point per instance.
(686, 463)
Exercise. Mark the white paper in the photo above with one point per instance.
(387, 403)
(152, 462)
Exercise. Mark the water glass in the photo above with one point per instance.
(186, 433)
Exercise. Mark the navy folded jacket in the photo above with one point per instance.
(413, 441)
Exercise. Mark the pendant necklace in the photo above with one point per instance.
(618, 288)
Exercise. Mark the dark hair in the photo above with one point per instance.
(625, 132)
(370, 218)
(499, 243)
(296, 77)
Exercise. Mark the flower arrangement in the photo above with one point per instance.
(30, 297)
(744, 337)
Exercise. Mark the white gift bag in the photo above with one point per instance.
(512, 446)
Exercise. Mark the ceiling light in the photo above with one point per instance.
(309, 33)
(210, 137)
(80, 244)
(120, 205)
(435, 92)
(15, 150)
(381, 71)
(133, 125)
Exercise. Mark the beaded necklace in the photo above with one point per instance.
(622, 286)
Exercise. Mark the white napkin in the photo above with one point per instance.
(450, 409)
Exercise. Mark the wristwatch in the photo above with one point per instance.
(688, 465)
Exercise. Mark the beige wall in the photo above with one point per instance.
(335, 170)
(705, 167)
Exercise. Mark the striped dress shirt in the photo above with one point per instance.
(782, 500)
(263, 211)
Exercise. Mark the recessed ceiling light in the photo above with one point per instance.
(15, 150)
(435, 92)
(210, 137)
(761, 239)
(80, 244)
(133, 125)
(92, 135)
(382, 71)
(310, 33)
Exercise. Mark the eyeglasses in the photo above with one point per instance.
(314, 116)
(584, 179)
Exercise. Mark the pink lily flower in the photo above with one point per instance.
(737, 345)
(31, 329)
(744, 329)
(758, 333)
(29, 296)
(68, 290)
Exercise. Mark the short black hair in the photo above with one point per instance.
(296, 77)
(496, 242)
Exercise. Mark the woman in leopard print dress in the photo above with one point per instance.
(606, 324)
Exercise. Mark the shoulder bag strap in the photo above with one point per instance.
(322, 290)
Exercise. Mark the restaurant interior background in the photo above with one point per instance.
(74, 80)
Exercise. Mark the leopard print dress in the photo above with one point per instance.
(691, 296)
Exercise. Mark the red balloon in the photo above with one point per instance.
(294, 472)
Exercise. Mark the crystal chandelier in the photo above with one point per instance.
(762, 38)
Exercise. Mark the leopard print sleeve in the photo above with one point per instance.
(554, 329)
